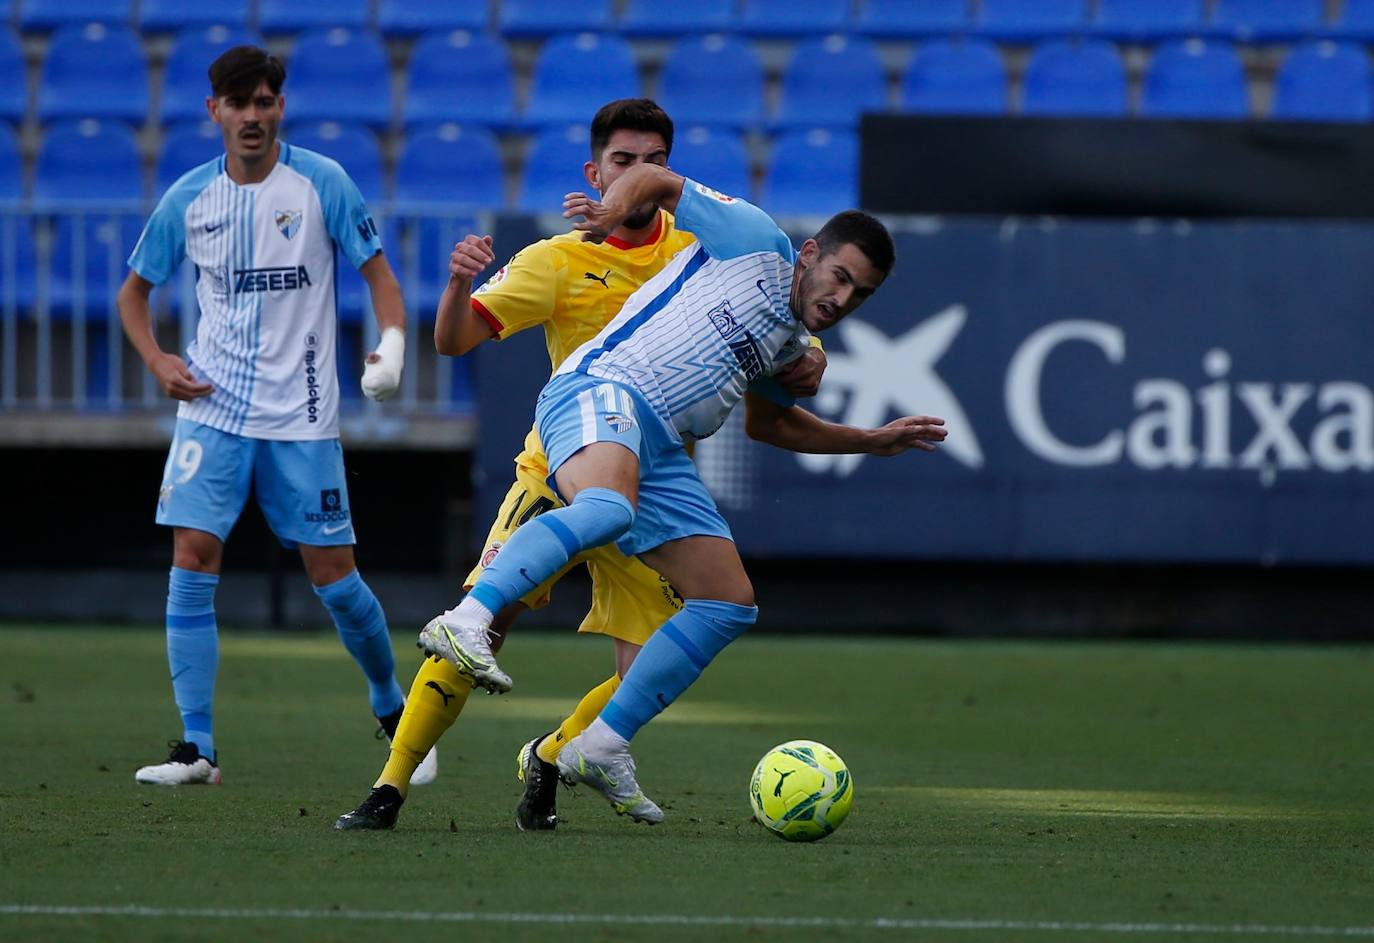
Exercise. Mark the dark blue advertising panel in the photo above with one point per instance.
(1146, 391)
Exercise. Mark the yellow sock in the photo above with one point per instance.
(436, 698)
(581, 718)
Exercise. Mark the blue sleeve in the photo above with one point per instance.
(162, 246)
(770, 389)
(346, 216)
(728, 227)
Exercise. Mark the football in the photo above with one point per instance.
(801, 790)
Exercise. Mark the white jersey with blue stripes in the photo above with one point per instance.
(264, 256)
(714, 323)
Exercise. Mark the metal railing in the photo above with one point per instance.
(62, 349)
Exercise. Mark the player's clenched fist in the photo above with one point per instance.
(469, 257)
(176, 379)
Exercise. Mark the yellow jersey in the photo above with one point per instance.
(573, 288)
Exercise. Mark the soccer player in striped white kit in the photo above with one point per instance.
(713, 326)
(259, 390)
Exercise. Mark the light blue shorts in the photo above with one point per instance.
(576, 410)
(299, 485)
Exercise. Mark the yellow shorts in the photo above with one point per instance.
(629, 600)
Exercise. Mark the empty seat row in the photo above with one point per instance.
(1322, 80)
(1004, 20)
(716, 79)
(97, 163)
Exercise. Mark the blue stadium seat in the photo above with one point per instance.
(88, 265)
(339, 74)
(715, 157)
(184, 146)
(82, 164)
(1024, 21)
(794, 17)
(526, 18)
(442, 62)
(450, 167)
(11, 166)
(17, 268)
(1355, 21)
(1193, 78)
(453, 165)
(575, 75)
(554, 168)
(712, 79)
(76, 75)
(903, 19)
(185, 84)
(1074, 78)
(964, 77)
(1266, 21)
(354, 147)
(413, 17)
(1148, 21)
(1325, 81)
(293, 16)
(812, 173)
(831, 82)
(162, 16)
(357, 150)
(656, 18)
(55, 14)
(14, 84)
(88, 160)
(18, 262)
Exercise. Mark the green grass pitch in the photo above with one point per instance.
(1004, 791)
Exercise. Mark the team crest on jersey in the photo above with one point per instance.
(723, 320)
(496, 279)
(490, 556)
(714, 194)
(289, 222)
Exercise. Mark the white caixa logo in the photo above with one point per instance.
(878, 378)
(1296, 426)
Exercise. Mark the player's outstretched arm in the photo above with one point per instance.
(641, 185)
(170, 370)
(457, 327)
(382, 369)
(796, 430)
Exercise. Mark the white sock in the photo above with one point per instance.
(599, 735)
(470, 608)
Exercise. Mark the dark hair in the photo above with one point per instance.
(239, 70)
(858, 228)
(630, 114)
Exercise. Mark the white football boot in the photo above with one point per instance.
(465, 643)
(428, 770)
(609, 771)
(184, 767)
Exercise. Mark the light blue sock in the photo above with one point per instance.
(539, 549)
(362, 626)
(672, 659)
(193, 653)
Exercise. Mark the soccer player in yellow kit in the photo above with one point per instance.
(572, 288)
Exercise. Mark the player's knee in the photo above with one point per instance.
(602, 515)
(725, 620)
(197, 551)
